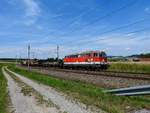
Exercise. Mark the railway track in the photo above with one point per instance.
(112, 74)
(126, 75)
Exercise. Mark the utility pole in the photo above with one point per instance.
(16, 59)
(29, 57)
(57, 52)
(33, 55)
(20, 59)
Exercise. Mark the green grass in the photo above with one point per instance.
(3, 93)
(126, 67)
(88, 94)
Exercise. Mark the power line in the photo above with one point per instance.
(111, 13)
(92, 41)
(119, 28)
(124, 26)
(139, 30)
(87, 12)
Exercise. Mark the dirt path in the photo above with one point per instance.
(63, 103)
(25, 104)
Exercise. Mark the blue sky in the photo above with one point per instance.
(120, 27)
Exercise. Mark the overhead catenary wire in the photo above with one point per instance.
(86, 12)
(114, 11)
(109, 14)
(119, 28)
(139, 30)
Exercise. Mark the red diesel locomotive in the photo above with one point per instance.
(90, 59)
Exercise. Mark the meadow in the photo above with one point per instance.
(130, 67)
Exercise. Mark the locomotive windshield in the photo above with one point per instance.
(102, 54)
(95, 54)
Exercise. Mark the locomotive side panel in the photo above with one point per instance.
(92, 59)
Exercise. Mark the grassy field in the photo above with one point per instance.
(89, 94)
(130, 67)
(3, 93)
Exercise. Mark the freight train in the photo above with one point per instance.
(86, 60)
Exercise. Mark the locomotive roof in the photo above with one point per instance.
(86, 52)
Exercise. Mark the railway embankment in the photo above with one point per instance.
(100, 79)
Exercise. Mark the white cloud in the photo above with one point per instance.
(7, 49)
(39, 27)
(128, 48)
(50, 51)
(113, 42)
(37, 50)
(30, 21)
(130, 34)
(32, 8)
(32, 11)
(117, 41)
(147, 9)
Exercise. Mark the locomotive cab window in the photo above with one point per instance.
(88, 54)
(95, 55)
(102, 54)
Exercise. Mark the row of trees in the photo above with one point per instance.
(143, 55)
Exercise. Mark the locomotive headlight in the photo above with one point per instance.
(90, 60)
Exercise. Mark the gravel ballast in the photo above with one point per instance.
(101, 81)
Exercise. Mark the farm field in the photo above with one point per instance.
(130, 67)
(89, 94)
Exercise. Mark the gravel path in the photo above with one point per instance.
(64, 104)
(22, 103)
(141, 111)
